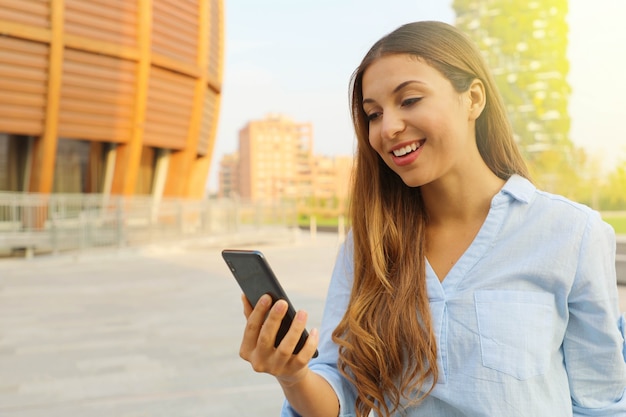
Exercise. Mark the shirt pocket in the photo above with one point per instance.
(515, 330)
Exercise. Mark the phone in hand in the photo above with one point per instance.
(256, 278)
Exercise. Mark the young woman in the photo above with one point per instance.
(462, 290)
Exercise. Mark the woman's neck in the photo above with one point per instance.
(460, 198)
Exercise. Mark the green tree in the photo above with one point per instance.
(614, 191)
(525, 44)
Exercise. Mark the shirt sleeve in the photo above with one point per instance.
(594, 341)
(336, 304)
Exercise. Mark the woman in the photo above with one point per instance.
(461, 290)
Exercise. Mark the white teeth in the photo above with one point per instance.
(405, 150)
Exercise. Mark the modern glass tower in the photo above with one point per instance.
(525, 44)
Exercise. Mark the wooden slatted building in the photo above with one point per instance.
(109, 96)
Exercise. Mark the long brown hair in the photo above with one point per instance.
(387, 347)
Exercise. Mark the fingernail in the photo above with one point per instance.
(301, 315)
(264, 300)
(280, 306)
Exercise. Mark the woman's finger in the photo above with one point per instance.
(247, 307)
(291, 339)
(309, 348)
(267, 336)
(254, 325)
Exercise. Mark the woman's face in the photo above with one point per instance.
(421, 127)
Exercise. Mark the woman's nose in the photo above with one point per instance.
(392, 125)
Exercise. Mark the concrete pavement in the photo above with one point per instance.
(145, 332)
(151, 332)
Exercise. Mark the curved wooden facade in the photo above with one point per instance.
(124, 94)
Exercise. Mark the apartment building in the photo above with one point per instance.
(331, 177)
(275, 156)
(229, 176)
(275, 162)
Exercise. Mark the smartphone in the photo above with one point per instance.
(256, 278)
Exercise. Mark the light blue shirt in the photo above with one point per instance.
(527, 321)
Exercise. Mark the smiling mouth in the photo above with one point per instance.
(405, 150)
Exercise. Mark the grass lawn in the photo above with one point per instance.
(305, 221)
(617, 220)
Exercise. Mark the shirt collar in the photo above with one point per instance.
(519, 188)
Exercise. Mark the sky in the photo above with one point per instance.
(295, 57)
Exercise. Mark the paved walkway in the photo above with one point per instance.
(150, 332)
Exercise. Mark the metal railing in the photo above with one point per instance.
(34, 223)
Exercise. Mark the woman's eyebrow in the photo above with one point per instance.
(398, 88)
(406, 83)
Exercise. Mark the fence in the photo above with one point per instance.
(36, 223)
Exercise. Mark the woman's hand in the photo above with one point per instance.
(307, 392)
(259, 336)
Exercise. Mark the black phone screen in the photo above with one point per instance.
(256, 278)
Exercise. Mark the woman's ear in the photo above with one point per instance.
(477, 98)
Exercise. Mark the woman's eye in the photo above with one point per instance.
(373, 116)
(410, 101)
